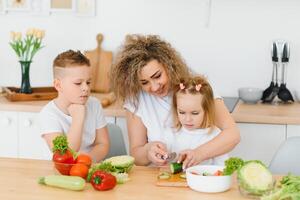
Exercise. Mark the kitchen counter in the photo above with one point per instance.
(247, 113)
(19, 181)
(114, 109)
(267, 113)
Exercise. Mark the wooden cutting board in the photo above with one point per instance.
(173, 181)
(101, 62)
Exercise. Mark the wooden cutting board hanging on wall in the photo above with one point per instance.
(101, 62)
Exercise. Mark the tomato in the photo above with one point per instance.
(84, 159)
(67, 157)
(79, 170)
(63, 162)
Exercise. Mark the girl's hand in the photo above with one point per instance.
(156, 152)
(188, 158)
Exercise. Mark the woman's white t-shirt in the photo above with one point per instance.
(190, 139)
(53, 120)
(155, 113)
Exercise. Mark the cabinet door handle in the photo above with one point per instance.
(27, 122)
(6, 121)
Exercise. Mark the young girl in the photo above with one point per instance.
(194, 120)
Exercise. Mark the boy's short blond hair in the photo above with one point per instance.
(68, 59)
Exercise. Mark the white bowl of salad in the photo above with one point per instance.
(208, 178)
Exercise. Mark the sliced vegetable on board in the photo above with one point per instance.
(164, 175)
(65, 182)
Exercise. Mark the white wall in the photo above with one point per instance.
(233, 51)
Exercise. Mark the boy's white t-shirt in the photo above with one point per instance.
(53, 120)
(155, 113)
(190, 139)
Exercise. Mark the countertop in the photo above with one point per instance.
(115, 109)
(247, 113)
(267, 113)
(19, 181)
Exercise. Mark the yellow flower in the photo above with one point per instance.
(12, 35)
(39, 34)
(18, 36)
(30, 32)
(43, 34)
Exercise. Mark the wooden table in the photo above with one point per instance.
(18, 180)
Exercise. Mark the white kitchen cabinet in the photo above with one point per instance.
(259, 141)
(293, 130)
(8, 134)
(31, 144)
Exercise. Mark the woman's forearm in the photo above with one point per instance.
(98, 152)
(221, 144)
(140, 154)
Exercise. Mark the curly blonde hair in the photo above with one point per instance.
(189, 86)
(134, 54)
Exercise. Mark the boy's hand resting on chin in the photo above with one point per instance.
(77, 111)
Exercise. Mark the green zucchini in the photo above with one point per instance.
(66, 182)
(176, 168)
(164, 175)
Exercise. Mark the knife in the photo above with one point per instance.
(170, 157)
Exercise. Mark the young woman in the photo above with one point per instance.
(144, 73)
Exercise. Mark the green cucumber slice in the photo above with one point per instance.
(164, 175)
(176, 168)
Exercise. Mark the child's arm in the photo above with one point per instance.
(188, 158)
(101, 145)
(77, 112)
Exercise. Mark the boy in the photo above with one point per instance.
(73, 112)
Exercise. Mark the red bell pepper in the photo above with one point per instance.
(101, 180)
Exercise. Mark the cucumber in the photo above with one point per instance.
(183, 176)
(164, 175)
(176, 168)
(65, 182)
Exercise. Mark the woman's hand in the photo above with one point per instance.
(188, 158)
(156, 152)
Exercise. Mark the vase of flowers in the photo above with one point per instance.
(26, 48)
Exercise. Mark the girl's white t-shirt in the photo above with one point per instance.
(190, 139)
(155, 113)
(52, 119)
